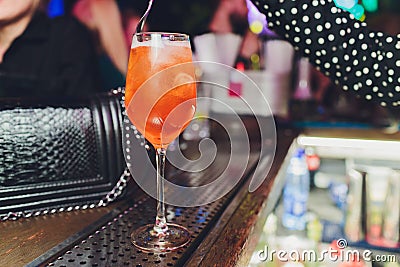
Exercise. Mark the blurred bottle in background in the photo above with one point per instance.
(391, 219)
(302, 103)
(377, 188)
(354, 226)
(296, 192)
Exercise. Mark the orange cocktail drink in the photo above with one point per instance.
(160, 89)
(160, 100)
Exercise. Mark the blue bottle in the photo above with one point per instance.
(296, 192)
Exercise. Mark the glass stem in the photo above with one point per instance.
(160, 226)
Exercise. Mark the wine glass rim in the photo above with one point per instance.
(162, 33)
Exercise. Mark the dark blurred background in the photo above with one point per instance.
(192, 16)
(176, 15)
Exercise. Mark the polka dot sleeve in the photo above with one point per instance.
(343, 48)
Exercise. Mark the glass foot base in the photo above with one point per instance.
(145, 239)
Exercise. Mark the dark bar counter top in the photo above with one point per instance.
(224, 233)
(100, 237)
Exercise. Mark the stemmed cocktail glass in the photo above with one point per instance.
(160, 99)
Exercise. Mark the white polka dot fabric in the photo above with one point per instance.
(343, 48)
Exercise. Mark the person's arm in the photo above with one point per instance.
(108, 23)
(343, 48)
(250, 44)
